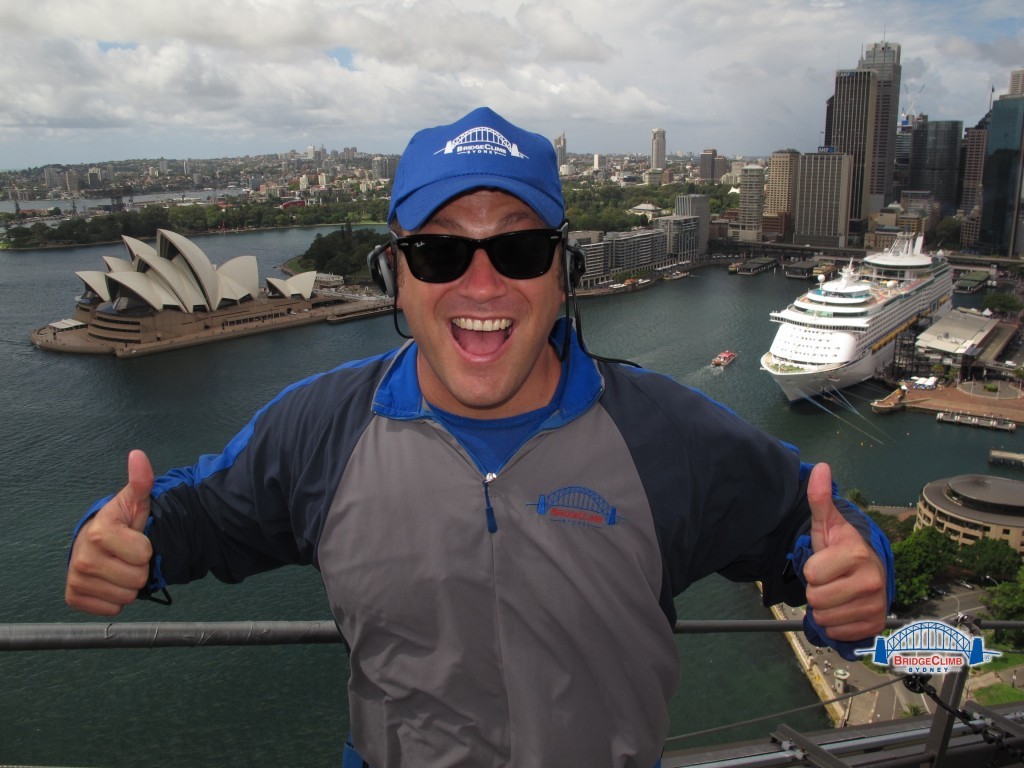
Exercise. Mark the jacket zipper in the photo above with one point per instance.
(492, 524)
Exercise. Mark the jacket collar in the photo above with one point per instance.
(398, 394)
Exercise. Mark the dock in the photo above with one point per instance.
(757, 266)
(985, 422)
(1006, 458)
(890, 403)
(1005, 404)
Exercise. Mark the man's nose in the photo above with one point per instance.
(482, 279)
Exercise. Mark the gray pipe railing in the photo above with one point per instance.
(76, 636)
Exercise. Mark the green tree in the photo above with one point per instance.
(342, 252)
(1002, 301)
(1006, 603)
(990, 559)
(946, 234)
(918, 559)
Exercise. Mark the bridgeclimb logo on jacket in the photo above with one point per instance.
(578, 506)
(928, 647)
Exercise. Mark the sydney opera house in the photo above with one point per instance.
(168, 295)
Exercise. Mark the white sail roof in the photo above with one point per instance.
(175, 273)
(297, 285)
(96, 281)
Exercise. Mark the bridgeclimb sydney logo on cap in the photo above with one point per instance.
(481, 140)
(928, 647)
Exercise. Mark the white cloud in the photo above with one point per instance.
(92, 80)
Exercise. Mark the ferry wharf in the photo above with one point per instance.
(969, 399)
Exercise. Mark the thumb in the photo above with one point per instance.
(824, 515)
(133, 499)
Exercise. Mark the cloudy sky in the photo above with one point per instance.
(85, 81)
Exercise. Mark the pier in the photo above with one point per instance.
(966, 419)
(1006, 458)
(757, 266)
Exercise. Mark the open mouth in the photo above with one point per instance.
(481, 337)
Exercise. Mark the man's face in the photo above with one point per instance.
(484, 374)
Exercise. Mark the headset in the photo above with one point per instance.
(382, 270)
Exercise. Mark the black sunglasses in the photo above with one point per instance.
(521, 255)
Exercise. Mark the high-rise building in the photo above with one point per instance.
(719, 163)
(683, 236)
(748, 225)
(698, 206)
(780, 185)
(1016, 83)
(935, 160)
(1002, 209)
(884, 60)
(975, 141)
(560, 149)
(822, 212)
(658, 148)
(707, 165)
(383, 166)
(853, 133)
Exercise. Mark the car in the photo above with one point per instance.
(965, 584)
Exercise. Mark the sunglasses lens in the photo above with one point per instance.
(437, 259)
(516, 255)
(523, 255)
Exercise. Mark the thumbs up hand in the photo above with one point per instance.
(845, 578)
(110, 557)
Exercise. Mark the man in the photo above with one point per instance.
(501, 521)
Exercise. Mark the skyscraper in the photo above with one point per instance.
(658, 148)
(751, 203)
(884, 60)
(1002, 207)
(935, 160)
(699, 206)
(822, 213)
(560, 149)
(780, 187)
(707, 165)
(975, 141)
(1016, 83)
(853, 133)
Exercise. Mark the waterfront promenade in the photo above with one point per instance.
(969, 398)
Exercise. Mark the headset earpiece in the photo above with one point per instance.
(575, 262)
(381, 271)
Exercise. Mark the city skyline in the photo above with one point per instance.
(86, 82)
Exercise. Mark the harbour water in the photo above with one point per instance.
(69, 422)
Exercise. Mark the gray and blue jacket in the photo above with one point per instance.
(523, 617)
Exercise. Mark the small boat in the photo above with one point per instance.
(724, 358)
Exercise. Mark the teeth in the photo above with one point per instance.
(472, 324)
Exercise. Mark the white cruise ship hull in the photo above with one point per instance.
(804, 384)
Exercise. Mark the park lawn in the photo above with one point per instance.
(999, 693)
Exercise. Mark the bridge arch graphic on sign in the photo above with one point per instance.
(930, 637)
(482, 135)
(578, 497)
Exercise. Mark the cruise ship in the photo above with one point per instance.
(843, 331)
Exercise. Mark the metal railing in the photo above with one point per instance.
(955, 736)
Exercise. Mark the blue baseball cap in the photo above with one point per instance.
(481, 150)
